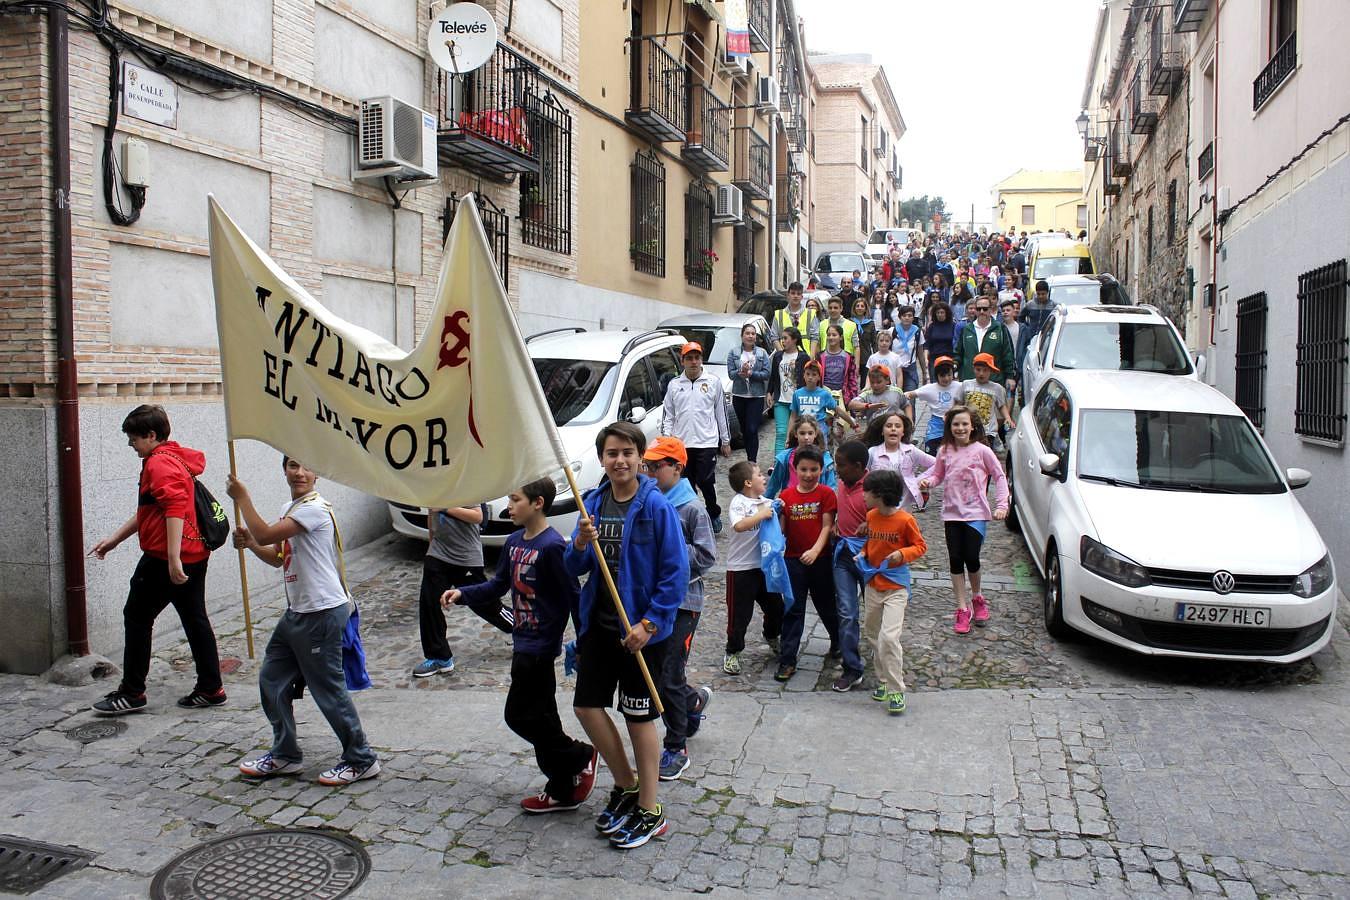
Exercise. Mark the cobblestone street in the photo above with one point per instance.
(1024, 767)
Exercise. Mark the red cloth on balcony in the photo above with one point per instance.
(505, 126)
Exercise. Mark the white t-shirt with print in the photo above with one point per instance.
(743, 554)
(309, 564)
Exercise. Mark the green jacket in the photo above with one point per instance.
(998, 343)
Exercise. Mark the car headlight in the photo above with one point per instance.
(1100, 559)
(560, 484)
(1315, 579)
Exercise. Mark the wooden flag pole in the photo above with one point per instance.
(614, 591)
(243, 566)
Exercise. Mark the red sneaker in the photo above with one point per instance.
(585, 780)
(543, 803)
(981, 607)
(962, 621)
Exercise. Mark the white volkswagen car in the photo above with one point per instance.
(1123, 338)
(1161, 522)
(590, 379)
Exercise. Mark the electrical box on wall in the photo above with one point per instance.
(135, 163)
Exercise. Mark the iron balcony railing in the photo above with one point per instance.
(707, 143)
(1280, 67)
(759, 25)
(497, 225)
(1205, 164)
(1121, 164)
(789, 196)
(752, 164)
(1164, 63)
(1143, 108)
(658, 99)
(487, 116)
(1188, 14)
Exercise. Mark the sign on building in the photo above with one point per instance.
(149, 96)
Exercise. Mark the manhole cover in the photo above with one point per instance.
(271, 863)
(27, 865)
(96, 731)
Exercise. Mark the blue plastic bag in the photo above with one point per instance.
(772, 546)
(354, 654)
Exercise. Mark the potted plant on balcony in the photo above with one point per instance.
(532, 203)
(643, 248)
(707, 259)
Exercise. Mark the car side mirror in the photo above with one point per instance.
(1199, 365)
(1297, 478)
(637, 414)
(1049, 463)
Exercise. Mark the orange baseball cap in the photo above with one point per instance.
(943, 359)
(691, 347)
(880, 370)
(667, 448)
(985, 359)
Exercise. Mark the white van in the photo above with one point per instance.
(879, 244)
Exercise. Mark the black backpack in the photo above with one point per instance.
(213, 525)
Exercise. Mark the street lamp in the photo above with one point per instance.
(1082, 123)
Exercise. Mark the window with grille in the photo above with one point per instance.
(699, 258)
(1320, 354)
(546, 197)
(862, 214)
(743, 262)
(863, 149)
(1172, 212)
(1028, 215)
(497, 225)
(647, 247)
(1250, 365)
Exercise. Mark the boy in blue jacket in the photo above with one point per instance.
(639, 534)
(543, 595)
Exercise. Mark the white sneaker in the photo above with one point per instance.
(267, 765)
(346, 773)
(731, 663)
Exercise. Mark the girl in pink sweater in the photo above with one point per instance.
(966, 464)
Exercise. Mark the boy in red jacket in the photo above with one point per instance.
(172, 567)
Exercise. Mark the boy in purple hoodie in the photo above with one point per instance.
(543, 596)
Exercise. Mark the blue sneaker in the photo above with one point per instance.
(429, 667)
(673, 764)
(622, 804)
(641, 827)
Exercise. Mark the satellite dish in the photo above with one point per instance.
(462, 38)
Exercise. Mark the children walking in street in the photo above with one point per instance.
(172, 569)
(966, 465)
(893, 542)
(941, 395)
(638, 532)
(543, 596)
(850, 519)
(987, 399)
(745, 578)
(805, 433)
(807, 516)
(888, 440)
(307, 642)
(685, 706)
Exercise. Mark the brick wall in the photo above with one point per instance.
(27, 349)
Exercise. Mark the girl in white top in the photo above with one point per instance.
(885, 356)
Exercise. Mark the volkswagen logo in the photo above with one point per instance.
(1223, 582)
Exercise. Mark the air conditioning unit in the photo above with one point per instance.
(797, 161)
(767, 94)
(394, 139)
(735, 66)
(729, 205)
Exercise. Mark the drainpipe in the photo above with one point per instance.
(771, 279)
(67, 391)
(1214, 201)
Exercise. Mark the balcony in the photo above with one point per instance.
(707, 145)
(1121, 165)
(1205, 164)
(1092, 151)
(752, 164)
(1164, 63)
(789, 201)
(1143, 108)
(487, 117)
(657, 103)
(760, 32)
(1188, 14)
(1280, 67)
(1111, 188)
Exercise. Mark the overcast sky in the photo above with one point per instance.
(986, 87)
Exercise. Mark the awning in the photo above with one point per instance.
(708, 7)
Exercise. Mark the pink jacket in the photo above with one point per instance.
(909, 461)
(966, 472)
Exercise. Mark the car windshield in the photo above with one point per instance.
(1048, 266)
(1175, 451)
(887, 236)
(716, 342)
(1076, 294)
(840, 262)
(578, 391)
(1127, 346)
